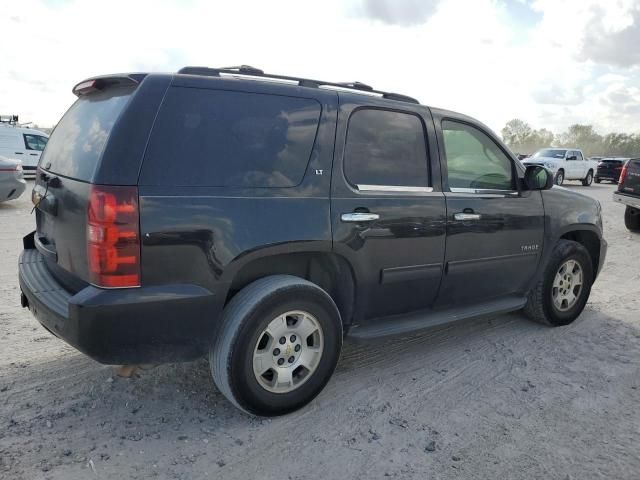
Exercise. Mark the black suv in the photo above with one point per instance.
(609, 169)
(260, 218)
(629, 193)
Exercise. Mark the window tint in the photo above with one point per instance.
(34, 142)
(223, 138)
(474, 160)
(385, 148)
(77, 142)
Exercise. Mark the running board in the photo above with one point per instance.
(416, 321)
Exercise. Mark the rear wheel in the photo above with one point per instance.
(563, 292)
(277, 346)
(632, 219)
(586, 181)
(560, 177)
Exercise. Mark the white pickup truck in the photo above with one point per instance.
(565, 163)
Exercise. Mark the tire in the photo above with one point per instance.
(242, 328)
(632, 219)
(586, 181)
(597, 180)
(540, 304)
(560, 177)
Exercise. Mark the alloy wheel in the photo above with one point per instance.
(567, 285)
(288, 351)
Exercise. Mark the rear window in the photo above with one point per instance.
(223, 138)
(76, 144)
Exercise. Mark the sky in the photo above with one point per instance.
(551, 63)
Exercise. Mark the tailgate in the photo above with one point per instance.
(61, 223)
(64, 180)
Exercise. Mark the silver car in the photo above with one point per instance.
(12, 183)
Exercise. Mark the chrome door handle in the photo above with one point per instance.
(465, 217)
(359, 217)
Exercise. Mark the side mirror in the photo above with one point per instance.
(538, 178)
(572, 157)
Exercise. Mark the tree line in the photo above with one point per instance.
(522, 138)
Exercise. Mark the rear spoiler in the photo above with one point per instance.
(106, 81)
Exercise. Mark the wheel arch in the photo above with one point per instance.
(330, 271)
(589, 239)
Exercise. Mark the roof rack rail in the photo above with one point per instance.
(249, 71)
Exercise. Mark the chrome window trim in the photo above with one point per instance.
(484, 191)
(394, 188)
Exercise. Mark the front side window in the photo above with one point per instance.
(578, 155)
(474, 161)
(385, 148)
(34, 142)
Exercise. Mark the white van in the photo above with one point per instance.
(24, 144)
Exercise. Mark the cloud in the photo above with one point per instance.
(491, 59)
(624, 100)
(616, 43)
(553, 94)
(397, 12)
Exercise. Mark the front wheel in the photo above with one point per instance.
(277, 346)
(632, 219)
(563, 292)
(560, 177)
(586, 181)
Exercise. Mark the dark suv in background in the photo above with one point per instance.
(259, 218)
(609, 169)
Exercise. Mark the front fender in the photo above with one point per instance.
(568, 212)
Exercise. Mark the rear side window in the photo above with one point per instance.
(385, 148)
(76, 144)
(224, 138)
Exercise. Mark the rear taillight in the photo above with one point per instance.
(113, 237)
(623, 174)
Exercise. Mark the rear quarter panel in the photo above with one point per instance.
(204, 235)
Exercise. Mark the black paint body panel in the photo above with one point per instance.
(415, 261)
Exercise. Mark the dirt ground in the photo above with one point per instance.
(502, 398)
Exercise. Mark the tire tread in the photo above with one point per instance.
(240, 306)
(535, 306)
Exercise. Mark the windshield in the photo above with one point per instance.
(77, 142)
(550, 153)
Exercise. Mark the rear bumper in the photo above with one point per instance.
(12, 189)
(121, 326)
(608, 175)
(626, 200)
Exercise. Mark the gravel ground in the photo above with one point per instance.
(501, 398)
